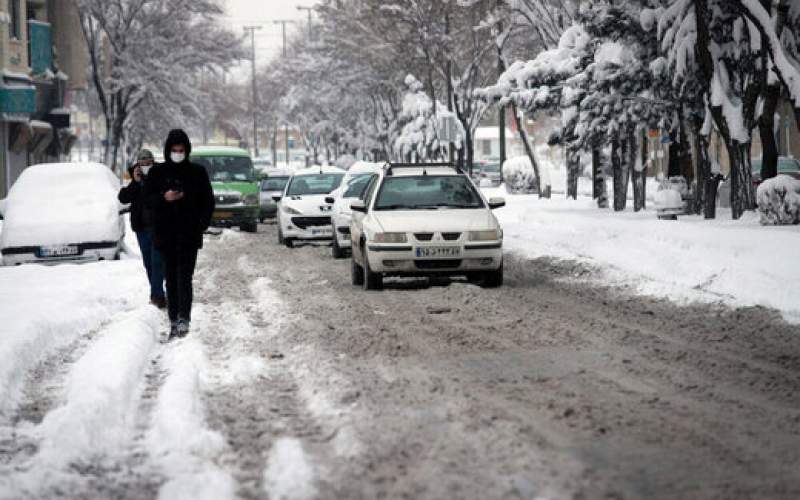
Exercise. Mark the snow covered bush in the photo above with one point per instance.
(779, 201)
(519, 175)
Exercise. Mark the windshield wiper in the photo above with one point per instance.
(395, 207)
(444, 205)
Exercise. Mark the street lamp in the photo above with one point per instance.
(252, 30)
(309, 10)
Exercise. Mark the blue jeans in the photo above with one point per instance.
(153, 263)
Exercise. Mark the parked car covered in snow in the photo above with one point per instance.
(62, 212)
(786, 166)
(353, 187)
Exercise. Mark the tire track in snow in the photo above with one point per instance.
(253, 400)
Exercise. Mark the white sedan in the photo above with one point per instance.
(425, 221)
(353, 187)
(62, 212)
(303, 213)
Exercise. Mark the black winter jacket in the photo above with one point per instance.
(133, 194)
(182, 222)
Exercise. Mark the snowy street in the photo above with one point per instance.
(296, 385)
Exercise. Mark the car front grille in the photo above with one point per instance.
(451, 236)
(305, 222)
(423, 236)
(438, 264)
(227, 199)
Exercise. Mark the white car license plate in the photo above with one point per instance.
(438, 252)
(58, 251)
(321, 232)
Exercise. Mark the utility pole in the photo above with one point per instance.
(501, 68)
(252, 30)
(309, 10)
(283, 23)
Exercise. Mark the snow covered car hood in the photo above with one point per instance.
(434, 221)
(308, 204)
(56, 204)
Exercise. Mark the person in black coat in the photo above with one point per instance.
(142, 225)
(179, 193)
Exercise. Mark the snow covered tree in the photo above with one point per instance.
(153, 50)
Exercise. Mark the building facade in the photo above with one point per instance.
(43, 61)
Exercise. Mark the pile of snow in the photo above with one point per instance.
(102, 392)
(60, 203)
(779, 201)
(289, 474)
(46, 308)
(687, 260)
(519, 175)
(180, 441)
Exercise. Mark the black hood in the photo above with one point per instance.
(177, 136)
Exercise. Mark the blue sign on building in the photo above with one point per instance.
(17, 99)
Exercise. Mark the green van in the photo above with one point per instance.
(235, 185)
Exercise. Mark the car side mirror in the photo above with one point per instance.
(496, 203)
(277, 198)
(330, 200)
(358, 206)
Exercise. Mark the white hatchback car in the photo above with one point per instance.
(62, 212)
(303, 213)
(425, 220)
(353, 187)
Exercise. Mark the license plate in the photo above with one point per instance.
(438, 252)
(321, 232)
(58, 251)
(224, 215)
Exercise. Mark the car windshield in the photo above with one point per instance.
(784, 165)
(357, 185)
(274, 184)
(227, 168)
(314, 184)
(427, 192)
(491, 168)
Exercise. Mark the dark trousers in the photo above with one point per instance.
(153, 263)
(179, 263)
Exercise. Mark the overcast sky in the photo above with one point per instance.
(264, 12)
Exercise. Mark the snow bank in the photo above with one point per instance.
(519, 175)
(102, 392)
(59, 203)
(779, 201)
(46, 308)
(289, 474)
(686, 260)
(180, 440)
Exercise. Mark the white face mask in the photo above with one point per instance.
(177, 157)
(146, 169)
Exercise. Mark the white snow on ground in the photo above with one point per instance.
(180, 440)
(738, 263)
(101, 396)
(289, 474)
(46, 308)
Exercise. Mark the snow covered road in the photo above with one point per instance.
(294, 385)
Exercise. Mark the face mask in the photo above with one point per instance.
(177, 157)
(146, 170)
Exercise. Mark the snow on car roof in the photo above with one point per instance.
(219, 151)
(414, 171)
(364, 167)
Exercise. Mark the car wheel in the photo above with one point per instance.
(249, 227)
(280, 236)
(493, 279)
(336, 250)
(289, 242)
(372, 281)
(356, 273)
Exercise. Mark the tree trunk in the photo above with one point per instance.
(639, 174)
(523, 135)
(618, 167)
(705, 202)
(766, 128)
(573, 172)
(598, 180)
(742, 197)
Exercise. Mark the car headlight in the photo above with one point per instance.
(491, 235)
(390, 238)
(290, 210)
(251, 199)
